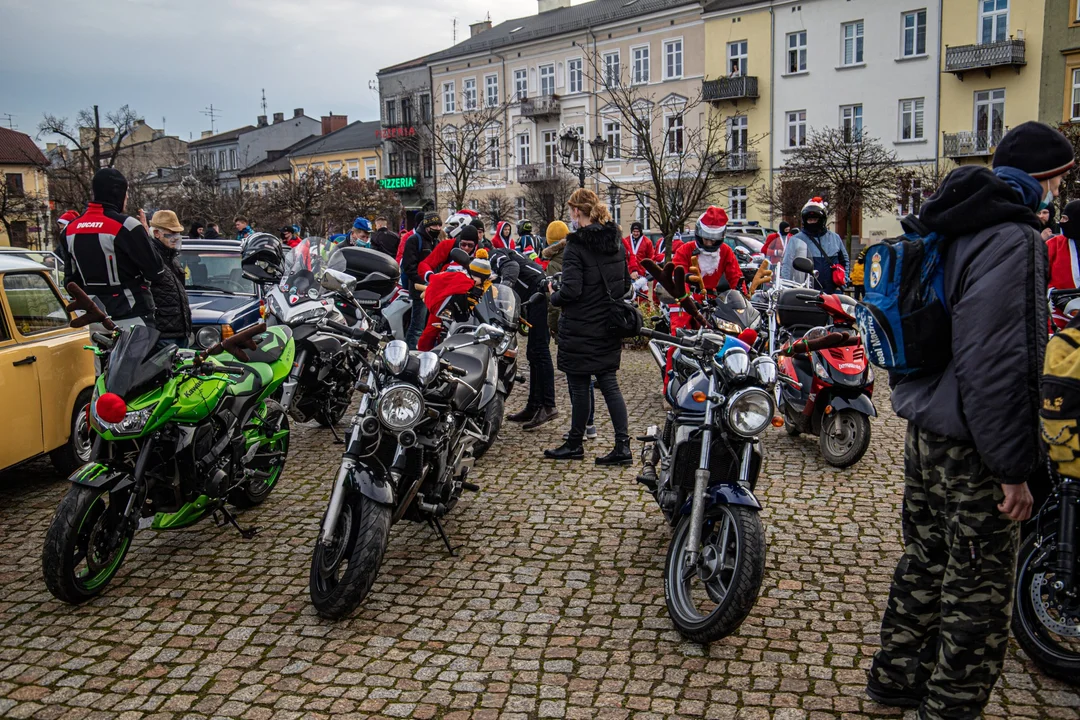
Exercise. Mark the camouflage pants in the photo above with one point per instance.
(947, 622)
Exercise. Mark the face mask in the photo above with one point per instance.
(1049, 198)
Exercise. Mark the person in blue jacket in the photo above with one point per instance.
(824, 247)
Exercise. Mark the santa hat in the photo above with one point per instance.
(470, 213)
(816, 204)
(67, 218)
(712, 223)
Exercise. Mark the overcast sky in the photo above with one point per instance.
(173, 58)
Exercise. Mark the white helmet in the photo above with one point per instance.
(453, 225)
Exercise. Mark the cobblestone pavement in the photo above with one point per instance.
(554, 608)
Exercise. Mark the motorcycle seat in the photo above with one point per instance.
(270, 345)
(255, 378)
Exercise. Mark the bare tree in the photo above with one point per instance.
(856, 173)
(1070, 184)
(17, 205)
(787, 196)
(89, 145)
(199, 194)
(469, 147)
(545, 201)
(497, 207)
(349, 199)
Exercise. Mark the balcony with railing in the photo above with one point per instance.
(971, 144)
(537, 172)
(730, 88)
(545, 106)
(984, 56)
(737, 162)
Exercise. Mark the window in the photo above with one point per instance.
(853, 43)
(14, 183)
(642, 138)
(429, 164)
(412, 163)
(575, 157)
(796, 54)
(673, 66)
(491, 90)
(1075, 113)
(550, 140)
(547, 80)
(911, 119)
(574, 76)
(675, 134)
(993, 20)
(612, 70)
(354, 169)
(796, 128)
(370, 169)
(448, 100)
(222, 160)
(468, 94)
(493, 154)
(395, 164)
(737, 199)
(616, 205)
(989, 117)
(640, 73)
(425, 107)
(35, 306)
(521, 84)
(909, 198)
(19, 236)
(232, 158)
(641, 212)
(474, 205)
(406, 111)
(524, 151)
(391, 112)
(737, 58)
(613, 135)
(914, 24)
(851, 122)
(738, 134)
(519, 205)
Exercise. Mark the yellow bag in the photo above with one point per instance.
(1060, 411)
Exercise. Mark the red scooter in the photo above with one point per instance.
(825, 392)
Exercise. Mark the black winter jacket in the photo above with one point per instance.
(594, 254)
(172, 314)
(386, 242)
(418, 247)
(995, 280)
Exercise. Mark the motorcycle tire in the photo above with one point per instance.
(254, 491)
(360, 538)
(1038, 639)
(846, 446)
(746, 537)
(76, 451)
(71, 561)
(493, 419)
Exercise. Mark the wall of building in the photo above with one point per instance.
(345, 161)
(35, 185)
(253, 146)
(409, 83)
(1060, 57)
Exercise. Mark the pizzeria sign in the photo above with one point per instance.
(399, 183)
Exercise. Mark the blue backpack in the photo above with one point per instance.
(904, 314)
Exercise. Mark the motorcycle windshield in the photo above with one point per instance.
(795, 248)
(303, 265)
(499, 306)
(133, 363)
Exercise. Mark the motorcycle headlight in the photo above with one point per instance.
(749, 411)
(736, 363)
(396, 356)
(272, 303)
(312, 314)
(132, 423)
(400, 407)
(819, 367)
(207, 336)
(765, 370)
(429, 367)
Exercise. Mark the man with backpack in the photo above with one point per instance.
(971, 401)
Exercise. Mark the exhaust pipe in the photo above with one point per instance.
(657, 354)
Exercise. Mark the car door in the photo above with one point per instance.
(19, 387)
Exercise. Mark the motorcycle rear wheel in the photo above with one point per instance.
(255, 490)
(844, 438)
(728, 576)
(79, 558)
(343, 572)
(1046, 627)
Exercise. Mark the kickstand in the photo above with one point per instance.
(337, 438)
(246, 533)
(437, 527)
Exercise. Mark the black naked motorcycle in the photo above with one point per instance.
(408, 455)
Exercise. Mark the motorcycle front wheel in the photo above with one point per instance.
(710, 600)
(270, 428)
(845, 436)
(1045, 621)
(343, 571)
(493, 418)
(82, 551)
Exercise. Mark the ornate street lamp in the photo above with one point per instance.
(570, 143)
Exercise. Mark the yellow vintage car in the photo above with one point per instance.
(46, 377)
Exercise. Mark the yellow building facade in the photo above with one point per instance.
(25, 192)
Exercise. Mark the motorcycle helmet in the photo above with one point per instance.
(454, 223)
(710, 228)
(815, 207)
(524, 228)
(261, 258)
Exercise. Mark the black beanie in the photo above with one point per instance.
(636, 226)
(478, 224)
(469, 234)
(1037, 149)
(109, 187)
(1070, 220)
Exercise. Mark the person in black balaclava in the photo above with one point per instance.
(1048, 226)
(418, 246)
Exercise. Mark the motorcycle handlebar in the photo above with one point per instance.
(670, 339)
(360, 334)
(801, 347)
(453, 369)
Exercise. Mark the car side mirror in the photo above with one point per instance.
(803, 264)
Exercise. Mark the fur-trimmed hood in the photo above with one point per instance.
(602, 239)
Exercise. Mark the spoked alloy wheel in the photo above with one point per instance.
(1046, 621)
(261, 429)
(709, 600)
(343, 571)
(845, 436)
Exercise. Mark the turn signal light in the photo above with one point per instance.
(511, 353)
(227, 332)
(828, 409)
(699, 396)
(777, 421)
(111, 408)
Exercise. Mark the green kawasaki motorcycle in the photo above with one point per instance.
(177, 435)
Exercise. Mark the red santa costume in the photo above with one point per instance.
(1064, 268)
(443, 288)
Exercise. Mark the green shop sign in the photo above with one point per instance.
(399, 183)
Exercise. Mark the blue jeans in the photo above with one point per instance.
(417, 321)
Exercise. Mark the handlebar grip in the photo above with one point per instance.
(456, 371)
(355, 333)
(646, 332)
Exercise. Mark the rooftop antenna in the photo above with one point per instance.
(8, 118)
(212, 114)
(264, 101)
(162, 124)
(454, 42)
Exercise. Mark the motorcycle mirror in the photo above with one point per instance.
(803, 264)
(489, 334)
(461, 257)
(1073, 308)
(337, 281)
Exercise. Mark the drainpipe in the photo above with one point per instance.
(938, 136)
(772, 99)
(506, 123)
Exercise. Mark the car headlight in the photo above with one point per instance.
(132, 423)
(749, 411)
(207, 335)
(400, 407)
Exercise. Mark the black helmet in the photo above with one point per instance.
(815, 207)
(524, 228)
(261, 258)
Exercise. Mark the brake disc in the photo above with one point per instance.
(1067, 624)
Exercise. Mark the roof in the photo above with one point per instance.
(227, 136)
(18, 148)
(13, 263)
(407, 65)
(716, 5)
(280, 165)
(556, 22)
(354, 136)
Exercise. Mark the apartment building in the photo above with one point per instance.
(544, 70)
(405, 133)
(26, 191)
(1060, 101)
(354, 150)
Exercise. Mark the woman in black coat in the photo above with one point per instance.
(594, 269)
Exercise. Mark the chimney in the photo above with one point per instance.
(479, 27)
(298, 112)
(332, 123)
(260, 121)
(49, 147)
(548, 5)
(206, 133)
(279, 117)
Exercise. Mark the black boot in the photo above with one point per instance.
(543, 415)
(891, 697)
(524, 415)
(569, 450)
(621, 455)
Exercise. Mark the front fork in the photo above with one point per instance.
(701, 481)
(348, 462)
(288, 389)
(1065, 573)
